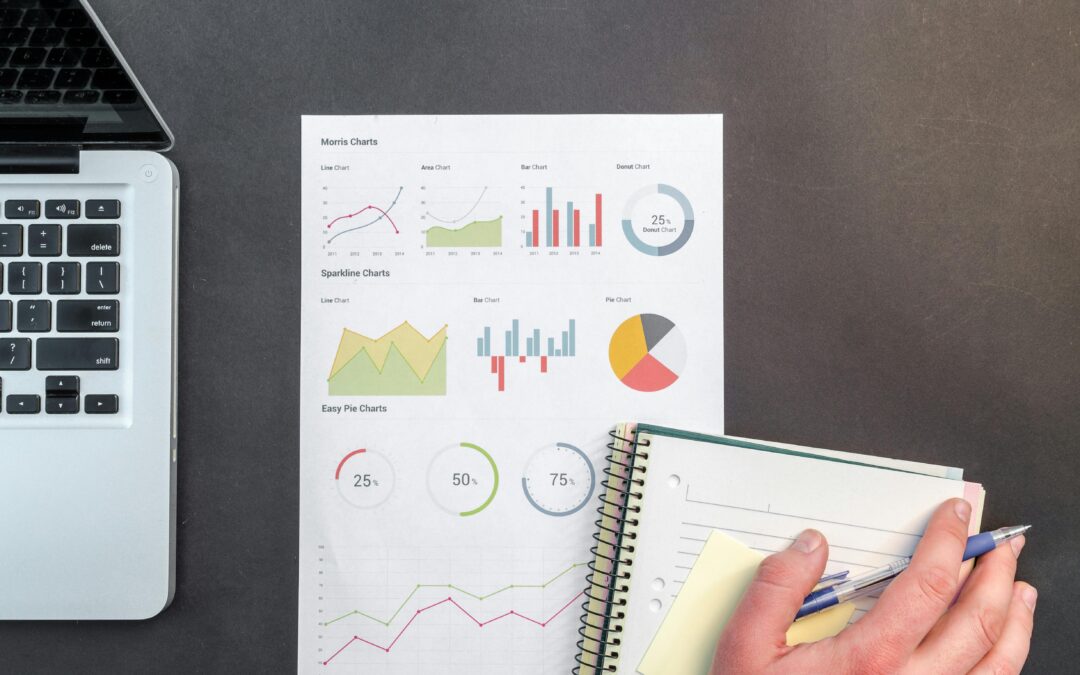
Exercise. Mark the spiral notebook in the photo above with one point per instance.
(667, 490)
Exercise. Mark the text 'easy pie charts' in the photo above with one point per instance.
(647, 352)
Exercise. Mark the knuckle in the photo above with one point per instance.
(882, 656)
(987, 624)
(999, 664)
(937, 585)
(774, 572)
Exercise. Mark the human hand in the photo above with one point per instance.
(915, 627)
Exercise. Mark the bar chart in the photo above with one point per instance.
(554, 227)
(539, 347)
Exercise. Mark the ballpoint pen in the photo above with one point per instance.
(865, 584)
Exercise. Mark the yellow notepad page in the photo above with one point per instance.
(686, 641)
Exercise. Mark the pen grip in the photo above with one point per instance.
(979, 544)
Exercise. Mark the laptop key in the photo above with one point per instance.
(62, 385)
(23, 404)
(39, 17)
(24, 278)
(82, 96)
(35, 316)
(22, 208)
(64, 57)
(56, 209)
(5, 316)
(28, 57)
(81, 37)
(88, 316)
(62, 278)
(93, 240)
(98, 58)
(102, 278)
(43, 240)
(10, 96)
(43, 96)
(98, 404)
(8, 77)
(46, 37)
(108, 209)
(13, 37)
(61, 405)
(15, 354)
(72, 78)
(77, 353)
(10, 240)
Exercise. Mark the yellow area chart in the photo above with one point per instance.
(403, 362)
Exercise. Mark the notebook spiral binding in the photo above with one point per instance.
(609, 570)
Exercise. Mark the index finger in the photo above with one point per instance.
(914, 602)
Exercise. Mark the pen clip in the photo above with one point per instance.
(831, 580)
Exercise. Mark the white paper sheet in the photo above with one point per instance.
(445, 524)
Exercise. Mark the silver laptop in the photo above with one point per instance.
(88, 242)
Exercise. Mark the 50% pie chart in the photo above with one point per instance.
(463, 479)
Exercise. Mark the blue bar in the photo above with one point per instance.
(551, 347)
(569, 224)
(509, 349)
(549, 216)
(528, 240)
(592, 234)
(487, 341)
(573, 338)
(479, 346)
(565, 343)
(528, 346)
(516, 342)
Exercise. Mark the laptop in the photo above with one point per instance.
(88, 244)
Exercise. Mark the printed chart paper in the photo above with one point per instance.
(483, 298)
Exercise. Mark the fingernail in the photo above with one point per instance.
(807, 542)
(1030, 595)
(1017, 544)
(963, 509)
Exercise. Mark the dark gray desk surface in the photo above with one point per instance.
(902, 250)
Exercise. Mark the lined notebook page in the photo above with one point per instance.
(869, 515)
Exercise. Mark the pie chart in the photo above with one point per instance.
(647, 352)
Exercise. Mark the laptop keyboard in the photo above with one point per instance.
(59, 305)
(50, 56)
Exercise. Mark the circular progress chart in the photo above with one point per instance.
(647, 352)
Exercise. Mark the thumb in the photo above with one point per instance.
(768, 607)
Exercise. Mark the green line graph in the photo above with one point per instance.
(418, 587)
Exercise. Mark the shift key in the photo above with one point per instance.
(78, 353)
(93, 240)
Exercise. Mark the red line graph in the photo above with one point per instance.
(451, 601)
(369, 207)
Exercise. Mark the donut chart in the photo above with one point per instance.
(658, 219)
(647, 352)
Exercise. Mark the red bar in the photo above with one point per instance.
(521, 359)
(543, 364)
(494, 364)
(577, 227)
(536, 228)
(555, 228)
(502, 373)
(599, 222)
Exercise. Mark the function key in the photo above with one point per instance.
(107, 404)
(62, 385)
(15, 354)
(43, 240)
(93, 240)
(25, 404)
(62, 278)
(22, 208)
(103, 278)
(5, 316)
(108, 209)
(35, 316)
(24, 278)
(61, 209)
(10, 240)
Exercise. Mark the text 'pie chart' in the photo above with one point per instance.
(647, 352)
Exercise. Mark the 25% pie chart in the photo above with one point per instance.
(364, 478)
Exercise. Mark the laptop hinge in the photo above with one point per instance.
(29, 158)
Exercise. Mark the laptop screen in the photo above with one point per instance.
(63, 81)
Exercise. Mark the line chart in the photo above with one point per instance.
(475, 596)
(463, 216)
(449, 600)
(383, 213)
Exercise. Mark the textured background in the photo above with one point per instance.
(902, 254)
